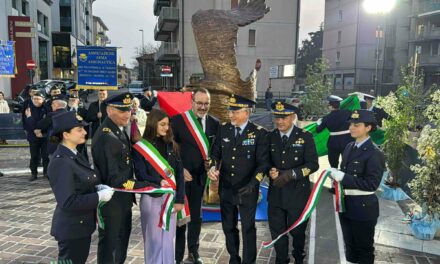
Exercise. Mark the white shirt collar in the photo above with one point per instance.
(288, 132)
(242, 127)
(361, 143)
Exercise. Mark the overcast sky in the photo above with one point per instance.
(125, 18)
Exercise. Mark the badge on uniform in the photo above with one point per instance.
(299, 141)
(248, 142)
(297, 145)
(251, 135)
(226, 140)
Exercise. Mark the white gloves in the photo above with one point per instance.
(105, 195)
(319, 122)
(336, 174)
(100, 187)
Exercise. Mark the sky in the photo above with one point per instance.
(125, 20)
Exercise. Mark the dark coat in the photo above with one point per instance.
(241, 162)
(189, 151)
(336, 121)
(363, 169)
(47, 129)
(92, 115)
(73, 184)
(380, 115)
(300, 155)
(148, 103)
(31, 123)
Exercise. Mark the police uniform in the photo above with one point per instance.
(336, 123)
(73, 183)
(379, 113)
(112, 159)
(294, 155)
(243, 161)
(361, 171)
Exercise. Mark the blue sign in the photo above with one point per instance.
(97, 68)
(7, 59)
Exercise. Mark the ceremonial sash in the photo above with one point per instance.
(310, 206)
(161, 165)
(196, 130)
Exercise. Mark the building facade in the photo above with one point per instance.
(28, 23)
(100, 32)
(272, 39)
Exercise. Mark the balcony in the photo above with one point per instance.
(428, 33)
(161, 35)
(428, 60)
(168, 19)
(168, 51)
(66, 21)
(158, 4)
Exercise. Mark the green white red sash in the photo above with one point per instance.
(310, 206)
(196, 130)
(161, 165)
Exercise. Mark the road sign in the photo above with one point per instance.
(30, 64)
(273, 73)
(166, 69)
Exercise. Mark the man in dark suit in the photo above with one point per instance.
(379, 113)
(194, 170)
(113, 165)
(336, 123)
(148, 100)
(97, 111)
(241, 156)
(293, 158)
(361, 171)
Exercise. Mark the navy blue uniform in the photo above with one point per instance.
(73, 184)
(244, 161)
(92, 115)
(147, 103)
(37, 146)
(46, 128)
(286, 203)
(363, 168)
(336, 122)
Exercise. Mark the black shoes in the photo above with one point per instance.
(194, 258)
(1, 174)
(33, 177)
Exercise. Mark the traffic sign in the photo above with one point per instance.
(30, 64)
(166, 69)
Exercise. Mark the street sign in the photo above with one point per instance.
(273, 72)
(30, 64)
(166, 69)
(166, 75)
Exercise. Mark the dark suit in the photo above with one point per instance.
(113, 164)
(73, 184)
(147, 103)
(336, 121)
(46, 128)
(192, 161)
(287, 203)
(92, 115)
(380, 115)
(363, 171)
(243, 162)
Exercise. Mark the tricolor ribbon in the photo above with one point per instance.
(310, 206)
(196, 130)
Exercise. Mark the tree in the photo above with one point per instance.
(317, 88)
(309, 52)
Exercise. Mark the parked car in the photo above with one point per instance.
(48, 84)
(136, 87)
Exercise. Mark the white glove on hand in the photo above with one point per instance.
(105, 195)
(336, 174)
(319, 122)
(100, 187)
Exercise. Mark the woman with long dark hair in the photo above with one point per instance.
(73, 183)
(158, 141)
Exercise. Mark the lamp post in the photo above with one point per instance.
(380, 8)
(142, 59)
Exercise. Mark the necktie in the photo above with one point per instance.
(284, 140)
(200, 122)
(237, 134)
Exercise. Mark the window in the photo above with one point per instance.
(234, 4)
(14, 8)
(14, 4)
(434, 48)
(340, 16)
(251, 37)
(339, 36)
(338, 56)
(25, 8)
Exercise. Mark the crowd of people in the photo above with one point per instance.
(135, 146)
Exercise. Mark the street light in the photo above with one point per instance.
(142, 59)
(380, 8)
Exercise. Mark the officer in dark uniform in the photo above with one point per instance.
(148, 100)
(293, 158)
(54, 92)
(361, 171)
(336, 123)
(73, 184)
(379, 113)
(241, 156)
(194, 171)
(113, 163)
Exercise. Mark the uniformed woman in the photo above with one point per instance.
(159, 244)
(361, 171)
(73, 183)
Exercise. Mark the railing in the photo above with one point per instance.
(168, 13)
(166, 49)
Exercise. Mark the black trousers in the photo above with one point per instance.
(113, 240)
(358, 239)
(194, 193)
(74, 251)
(38, 150)
(333, 156)
(229, 214)
(279, 220)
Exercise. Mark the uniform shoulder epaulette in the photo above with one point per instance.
(224, 123)
(259, 127)
(106, 129)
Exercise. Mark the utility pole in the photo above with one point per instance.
(142, 57)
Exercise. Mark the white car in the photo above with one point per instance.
(135, 87)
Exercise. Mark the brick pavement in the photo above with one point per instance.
(26, 213)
